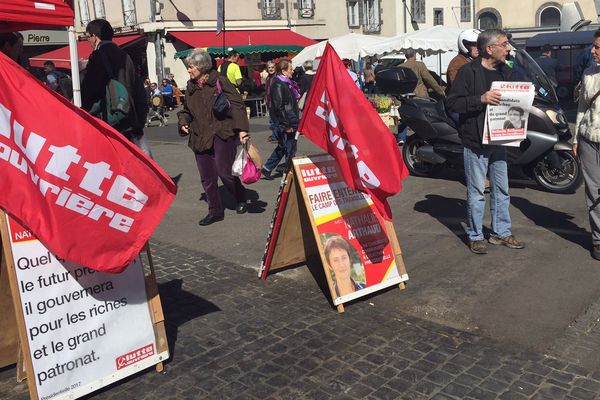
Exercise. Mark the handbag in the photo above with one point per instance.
(238, 164)
(251, 172)
(221, 105)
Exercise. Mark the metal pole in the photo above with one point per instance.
(72, 34)
(159, 57)
(404, 14)
(223, 32)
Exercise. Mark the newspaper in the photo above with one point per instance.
(506, 123)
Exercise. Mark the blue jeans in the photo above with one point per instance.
(273, 128)
(401, 134)
(477, 163)
(286, 146)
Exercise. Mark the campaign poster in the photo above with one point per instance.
(355, 248)
(506, 123)
(85, 329)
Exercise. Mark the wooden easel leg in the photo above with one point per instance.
(160, 367)
(340, 308)
(402, 286)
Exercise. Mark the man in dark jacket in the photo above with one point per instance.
(469, 97)
(548, 64)
(284, 95)
(109, 61)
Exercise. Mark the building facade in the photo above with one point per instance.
(315, 19)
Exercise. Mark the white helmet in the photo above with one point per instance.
(468, 35)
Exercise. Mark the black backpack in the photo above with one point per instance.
(224, 67)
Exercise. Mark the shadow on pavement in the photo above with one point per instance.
(449, 211)
(180, 307)
(555, 221)
(255, 205)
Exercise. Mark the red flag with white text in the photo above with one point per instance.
(84, 190)
(339, 119)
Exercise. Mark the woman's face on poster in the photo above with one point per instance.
(339, 261)
(514, 117)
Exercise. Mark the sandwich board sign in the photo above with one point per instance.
(318, 213)
(79, 329)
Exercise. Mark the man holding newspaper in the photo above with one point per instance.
(474, 90)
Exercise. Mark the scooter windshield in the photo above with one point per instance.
(525, 69)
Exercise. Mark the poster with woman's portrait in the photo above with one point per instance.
(355, 248)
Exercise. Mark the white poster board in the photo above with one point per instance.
(85, 329)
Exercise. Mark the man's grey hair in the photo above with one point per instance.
(486, 38)
(200, 59)
(410, 53)
(308, 65)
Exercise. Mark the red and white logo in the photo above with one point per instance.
(135, 356)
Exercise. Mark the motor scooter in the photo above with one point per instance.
(545, 155)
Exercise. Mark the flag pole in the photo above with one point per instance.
(224, 28)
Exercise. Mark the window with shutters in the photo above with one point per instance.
(353, 13)
(129, 17)
(306, 8)
(84, 13)
(372, 17)
(418, 10)
(99, 9)
(438, 16)
(465, 10)
(271, 9)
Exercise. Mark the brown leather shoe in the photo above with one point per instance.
(509, 241)
(478, 247)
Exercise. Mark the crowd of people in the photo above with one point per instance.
(213, 138)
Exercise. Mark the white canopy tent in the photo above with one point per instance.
(432, 41)
(347, 46)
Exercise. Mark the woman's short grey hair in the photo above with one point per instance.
(200, 59)
(308, 65)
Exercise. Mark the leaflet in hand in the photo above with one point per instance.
(506, 123)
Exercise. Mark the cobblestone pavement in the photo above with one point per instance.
(233, 336)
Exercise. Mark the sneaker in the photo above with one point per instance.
(596, 252)
(266, 174)
(478, 247)
(508, 241)
(400, 142)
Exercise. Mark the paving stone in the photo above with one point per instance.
(580, 393)
(228, 347)
(456, 390)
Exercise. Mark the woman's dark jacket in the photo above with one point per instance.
(284, 106)
(465, 99)
(198, 113)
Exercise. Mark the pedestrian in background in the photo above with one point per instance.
(369, 76)
(424, 77)
(307, 78)
(167, 93)
(11, 44)
(286, 116)
(586, 142)
(548, 64)
(212, 138)
(107, 61)
(271, 73)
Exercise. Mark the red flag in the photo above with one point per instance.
(83, 189)
(339, 119)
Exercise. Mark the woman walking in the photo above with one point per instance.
(213, 138)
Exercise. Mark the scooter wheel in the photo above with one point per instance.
(559, 172)
(414, 163)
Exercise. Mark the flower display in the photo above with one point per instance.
(381, 103)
